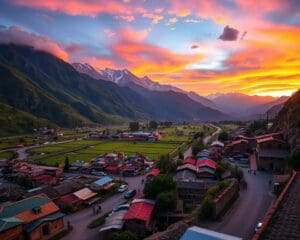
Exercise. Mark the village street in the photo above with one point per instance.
(250, 207)
(81, 219)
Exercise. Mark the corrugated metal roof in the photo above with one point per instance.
(84, 194)
(14, 209)
(103, 181)
(7, 223)
(196, 233)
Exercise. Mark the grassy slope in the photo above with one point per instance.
(14, 121)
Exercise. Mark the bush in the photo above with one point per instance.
(166, 201)
(126, 235)
(98, 221)
(159, 184)
(205, 211)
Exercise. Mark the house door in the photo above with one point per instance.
(46, 230)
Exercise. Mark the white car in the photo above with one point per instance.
(258, 227)
(123, 188)
(101, 174)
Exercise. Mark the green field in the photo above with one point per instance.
(180, 133)
(153, 150)
(7, 155)
(43, 152)
(229, 127)
(96, 148)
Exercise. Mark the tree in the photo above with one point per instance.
(256, 125)
(180, 154)
(223, 136)
(198, 135)
(294, 161)
(159, 184)
(166, 201)
(205, 211)
(153, 125)
(134, 126)
(197, 146)
(166, 164)
(67, 164)
(126, 235)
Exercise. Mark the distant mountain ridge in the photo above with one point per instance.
(245, 106)
(126, 78)
(238, 105)
(47, 87)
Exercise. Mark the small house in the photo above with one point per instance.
(138, 217)
(32, 218)
(104, 183)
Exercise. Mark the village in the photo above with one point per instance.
(202, 175)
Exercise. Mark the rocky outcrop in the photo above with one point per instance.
(288, 121)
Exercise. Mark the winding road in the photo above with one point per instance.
(249, 209)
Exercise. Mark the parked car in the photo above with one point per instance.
(121, 207)
(122, 188)
(130, 194)
(258, 226)
(101, 174)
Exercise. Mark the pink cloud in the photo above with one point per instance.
(76, 7)
(109, 32)
(17, 35)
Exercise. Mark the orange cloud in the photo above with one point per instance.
(132, 52)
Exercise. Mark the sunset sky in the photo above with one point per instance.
(211, 46)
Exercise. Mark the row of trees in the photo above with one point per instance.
(152, 125)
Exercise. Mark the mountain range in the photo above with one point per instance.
(237, 105)
(246, 107)
(48, 88)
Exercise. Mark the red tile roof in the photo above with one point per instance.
(69, 199)
(207, 162)
(190, 161)
(141, 210)
(154, 172)
(112, 168)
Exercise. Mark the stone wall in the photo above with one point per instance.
(220, 202)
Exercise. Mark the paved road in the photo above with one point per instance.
(188, 152)
(207, 138)
(249, 209)
(22, 152)
(81, 219)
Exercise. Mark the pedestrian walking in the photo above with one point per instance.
(94, 211)
(100, 208)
